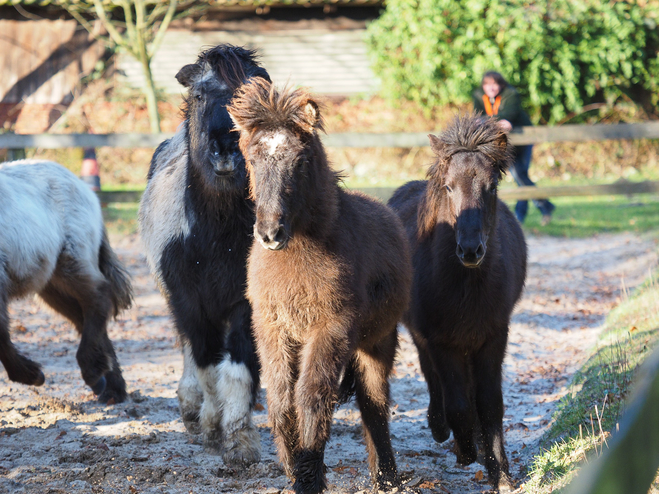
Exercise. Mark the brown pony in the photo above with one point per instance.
(328, 279)
(469, 256)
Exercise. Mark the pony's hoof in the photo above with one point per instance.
(309, 473)
(506, 484)
(213, 442)
(26, 372)
(115, 388)
(387, 481)
(242, 448)
(112, 396)
(191, 423)
(441, 433)
(99, 387)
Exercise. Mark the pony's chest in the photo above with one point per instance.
(207, 259)
(459, 310)
(294, 295)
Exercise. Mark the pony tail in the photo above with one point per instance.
(121, 290)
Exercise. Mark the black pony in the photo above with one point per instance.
(196, 223)
(469, 257)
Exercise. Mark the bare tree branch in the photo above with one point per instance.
(163, 27)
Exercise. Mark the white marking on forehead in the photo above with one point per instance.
(273, 142)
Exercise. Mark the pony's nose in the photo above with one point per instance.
(272, 237)
(224, 166)
(470, 254)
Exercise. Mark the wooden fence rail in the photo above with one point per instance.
(384, 193)
(518, 136)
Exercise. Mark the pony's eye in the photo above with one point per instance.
(448, 188)
(198, 97)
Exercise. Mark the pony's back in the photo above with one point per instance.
(43, 206)
(54, 243)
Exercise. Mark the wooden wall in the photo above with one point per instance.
(332, 62)
(41, 61)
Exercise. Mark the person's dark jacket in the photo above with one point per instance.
(510, 107)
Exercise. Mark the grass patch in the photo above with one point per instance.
(587, 216)
(587, 416)
(121, 218)
(574, 216)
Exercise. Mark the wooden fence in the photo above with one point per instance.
(519, 136)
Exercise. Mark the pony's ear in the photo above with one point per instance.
(188, 74)
(311, 120)
(436, 145)
(501, 142)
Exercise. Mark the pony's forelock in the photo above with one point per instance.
(472, 133)
(260, 105)
(231, 65)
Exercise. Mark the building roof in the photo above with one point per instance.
(214, 3)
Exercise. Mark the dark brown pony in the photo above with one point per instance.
(469, 258)
(328, 279)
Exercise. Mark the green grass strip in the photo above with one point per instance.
(588, 415)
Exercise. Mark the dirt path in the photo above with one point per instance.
(57, 439)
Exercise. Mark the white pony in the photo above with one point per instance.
(53, 242)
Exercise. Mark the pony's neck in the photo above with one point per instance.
(320, 210)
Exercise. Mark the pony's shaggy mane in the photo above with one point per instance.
(228, 63)
(473, 133)
(260, 105)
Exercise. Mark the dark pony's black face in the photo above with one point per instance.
(469, 180)
(472, 197)
(211, 82)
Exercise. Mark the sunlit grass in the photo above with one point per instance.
(587, 216)
(588, 415)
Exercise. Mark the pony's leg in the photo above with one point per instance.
(454, 370)
(190, 395)
(227, 372)
(489, 404)
(322, 360)
(19, 368)
(237, 387)
(372, 370)
(436, 417)
(87, 305)
(205, 342)
(279, 377)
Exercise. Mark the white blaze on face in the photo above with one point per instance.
(273, 142)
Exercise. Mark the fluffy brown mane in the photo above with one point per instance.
(471, 133)
(260, 105)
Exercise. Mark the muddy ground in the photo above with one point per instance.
(57, 439)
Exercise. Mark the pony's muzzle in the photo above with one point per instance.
(471, 254)
(224, 167)
(272, 236)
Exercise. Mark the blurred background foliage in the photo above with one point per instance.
(565, 57)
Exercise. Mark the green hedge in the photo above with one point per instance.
(561, 54)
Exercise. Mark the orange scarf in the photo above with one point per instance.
(488, 106)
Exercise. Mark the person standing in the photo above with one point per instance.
(498, 99)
